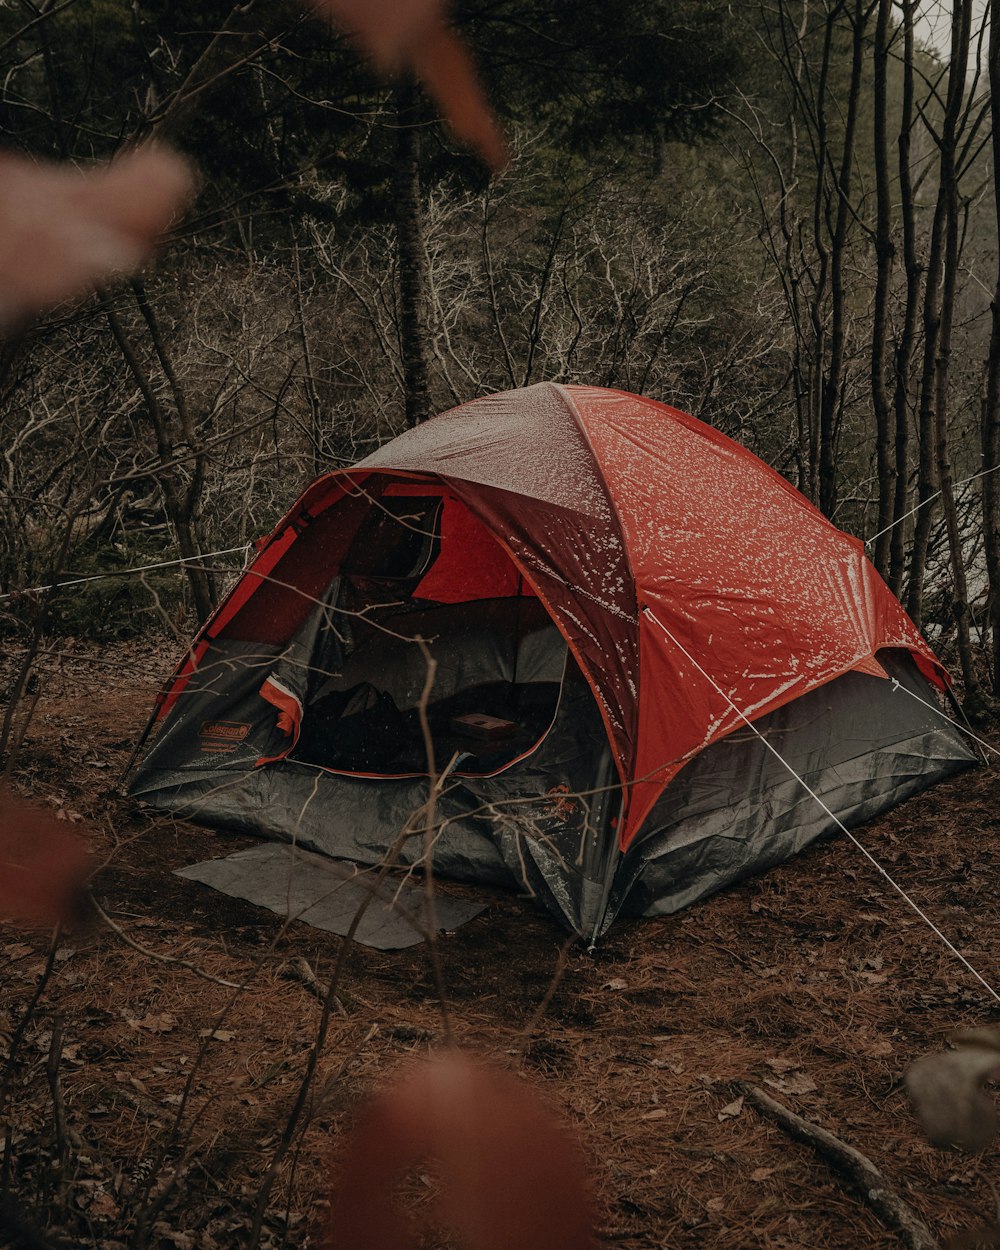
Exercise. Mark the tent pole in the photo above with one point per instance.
(140, 743)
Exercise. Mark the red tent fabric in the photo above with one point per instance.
(688, 578)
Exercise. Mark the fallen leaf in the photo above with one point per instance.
(102, 1207)
(18, 950)
(63, 229)
(781, 1066)
(162, 1022)
(794, 1083)
(387, 30)
(43, 863)
(413, 34)
(732, 1109)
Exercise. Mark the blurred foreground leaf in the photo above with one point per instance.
(412, 35)
(947, 1091)
(64, 229)
(43, 864)
(510, 1173)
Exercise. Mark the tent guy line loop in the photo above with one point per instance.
(986, 746)
(246, 548)
(930, 499)
(840, 825)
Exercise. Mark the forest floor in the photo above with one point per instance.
(154, 1118)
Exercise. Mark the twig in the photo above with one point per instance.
(550, 992)
(163, 959)
(330, 1001)
(434, 783)
(884, 1200)
(52, 1062)
(300, 970)
(13, 1057)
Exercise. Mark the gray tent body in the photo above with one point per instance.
(544, 822)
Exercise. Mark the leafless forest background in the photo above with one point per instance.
(780, 216)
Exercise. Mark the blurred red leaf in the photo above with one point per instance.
(511, 1176)
(43, 864)
(386, 30)
(413, 34)
(64, 229)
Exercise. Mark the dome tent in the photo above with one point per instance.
(604, 591)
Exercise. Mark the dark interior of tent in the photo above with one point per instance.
(430, 643)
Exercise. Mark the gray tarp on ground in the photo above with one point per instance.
(545, 824)
(328, 895)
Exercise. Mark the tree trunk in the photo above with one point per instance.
(942, 265)
(960, 45)
(833, 386)
(182, 504)
(885, 254)
(991, 402)
(907, 336)
(412, 258)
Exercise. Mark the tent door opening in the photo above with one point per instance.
(424, 591)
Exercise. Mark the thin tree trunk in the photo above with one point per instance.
(935, 464)
(885, 254)
(833, 386)
(907, 337)
(961, 20)
(991, 403)
(182, 505)
(412, 258)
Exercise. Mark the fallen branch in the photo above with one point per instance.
(884, 1200)
(103, 916)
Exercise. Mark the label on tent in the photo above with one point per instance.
(222, 735)
(479, 725)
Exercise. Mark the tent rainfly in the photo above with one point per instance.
(585, 598)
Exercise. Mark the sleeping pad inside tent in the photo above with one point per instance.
(596, 622)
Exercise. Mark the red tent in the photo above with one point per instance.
(693, 585)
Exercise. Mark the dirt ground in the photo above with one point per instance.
(148, 1101)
